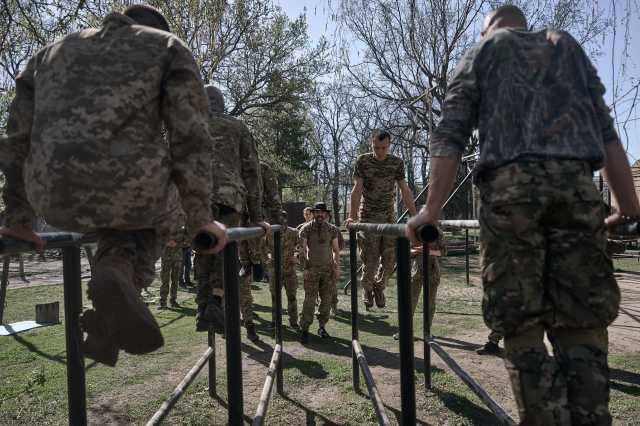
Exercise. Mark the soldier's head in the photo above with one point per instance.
(320, 212)
(147, 15)
(283, 218)
(508, 16)
(308, 214)
(216, 99)
(380, 143)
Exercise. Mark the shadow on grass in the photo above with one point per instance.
(625, 381)
(457, 344)
(34, 349)
(311, 417)
(224, 405)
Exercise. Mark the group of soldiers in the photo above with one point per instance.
(96, 102)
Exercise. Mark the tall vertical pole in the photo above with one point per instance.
(277, 262)
(353, 267)
(211, 340)
(232, 331)
(4, 283)
(76, 385)
(426, 315)
(407, 362)
(466, 232)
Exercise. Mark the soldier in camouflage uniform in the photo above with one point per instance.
(172, 258)
(376, 175)
(544, 127)
(290, 243)
(87, 108)
(320, 260)
(236, 189)
(254, 253)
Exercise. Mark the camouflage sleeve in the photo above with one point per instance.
(251, 176)
(185, 113)
(399, 174)
(597, 90)
(14, 149)
(460, 111)
(271, 195)
(357, 169)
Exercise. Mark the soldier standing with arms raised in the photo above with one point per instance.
(375, 176)
(75, 129)
(544, 127)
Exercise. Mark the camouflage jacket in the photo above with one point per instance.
(84, 147)
(379, 179)
(271, 204)
(532, 96)
(236, 168)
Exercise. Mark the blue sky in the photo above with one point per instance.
(319, 20)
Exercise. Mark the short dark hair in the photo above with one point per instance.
(510, 13)
(147, 15)
(380, 135)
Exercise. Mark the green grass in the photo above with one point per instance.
(317, 378)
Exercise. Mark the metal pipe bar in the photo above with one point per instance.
(386, 229)
(53, 240)
(353, 262)
(426, 315)
(168, 404)
(277, 260)
(76, 386)
(213, 381)
(455, 191)
(405, 323)
(461, 224)
(265, 397)
(232, 332)
(498, 411)
(4, 283)
(376, 399)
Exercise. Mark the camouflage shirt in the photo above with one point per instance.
(236, 168)
(84, 131)
(379, 179)
(319, 238)
(271, 205)
(532, 96)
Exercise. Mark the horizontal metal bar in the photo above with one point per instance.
(388, 229)
(239, 234)
(496, 409)
(461, 224)
(53, 240)
(168, 404)
(376, 399)
(265, 397)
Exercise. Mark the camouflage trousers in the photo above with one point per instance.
(172, 259)
(210, 267)
(318, 283)
(290, 285)
(376, 251)
(545, 269)
(416, 284)
(135, 251)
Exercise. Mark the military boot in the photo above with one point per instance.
(251, 333)
(367, 298)
(211, 316)
(381, 300)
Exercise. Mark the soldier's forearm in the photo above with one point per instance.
(618, 174)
